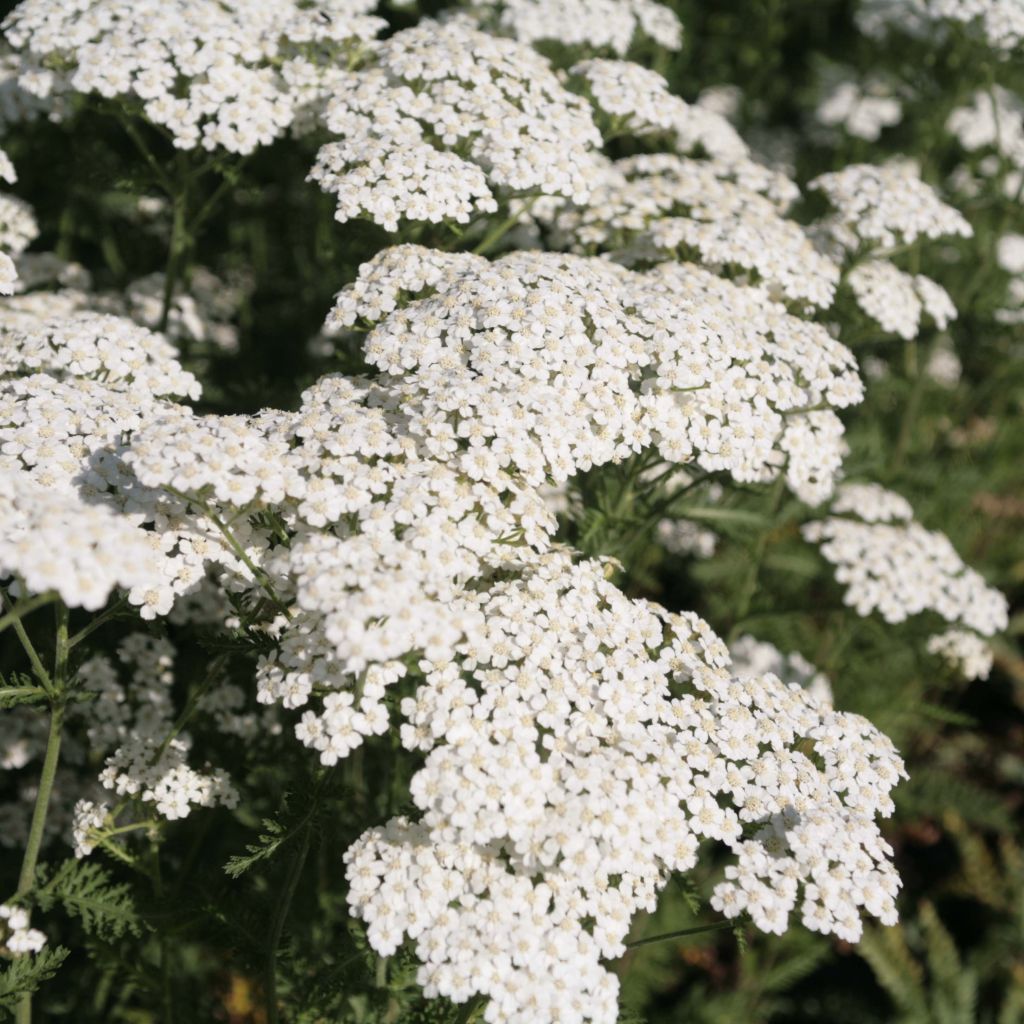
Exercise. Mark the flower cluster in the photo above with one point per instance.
(862, 109)
(892, 565)
(230, 76)
(93, 345)
(554, 795)
(54, 540)
(887, 205)
(600, 362)
(898, 301)
(132, 722)
(20, 938)
(445, 119)
(612, 25)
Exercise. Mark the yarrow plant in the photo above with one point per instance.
(405, 441)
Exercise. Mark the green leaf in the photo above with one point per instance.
(24, 974)
(266, 845)
(86, 891)
(18, 688)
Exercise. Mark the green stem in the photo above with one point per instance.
(916, 373)
(147, 154)
(284, 904)
(100, 620)
(681, 934)
(258, 574)
(33, 656)
(179, 240)
(26, 879)
(35, 834)
(503, 227)
(25, 607)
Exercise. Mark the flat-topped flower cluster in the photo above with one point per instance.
(389, 545)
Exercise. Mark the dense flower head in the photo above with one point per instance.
(579, 748)
(93, 345)
(639, 103)
(444, 120)
(53, 540)
(898, 301)
(544, 365)
(599, 25)
(887, 205)
(964, 651)
(992, 120)
(892, 565)
(727, 214)
(216, 75)
(71, 436)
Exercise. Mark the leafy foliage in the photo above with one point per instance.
(24, 974)
(87, 892)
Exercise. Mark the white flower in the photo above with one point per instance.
(19, 938)
(863, 110)
(436, 88)
(891, 564)
(966, 652)
(595, 24)
(896, 300)
(213, 75)
(888, 205)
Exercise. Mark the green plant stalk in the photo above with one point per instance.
(179, 241)
(33, 656)
(681, 934)
(35, 835)
(30, 860)
(915, 372)
(25, 607)
(284, 904)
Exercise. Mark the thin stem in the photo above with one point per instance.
(100, 620)
(147, 154)
(179, 240)
(284, 904)
(25, 607)
(35, 834)
(681, 934)
(258, 574)
(503, 227)
(26, 879)
(37, 665)
(916, 373)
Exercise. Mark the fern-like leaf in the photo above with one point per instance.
(18, 688)
(24, 974)
(86, 891)
(266, 845)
